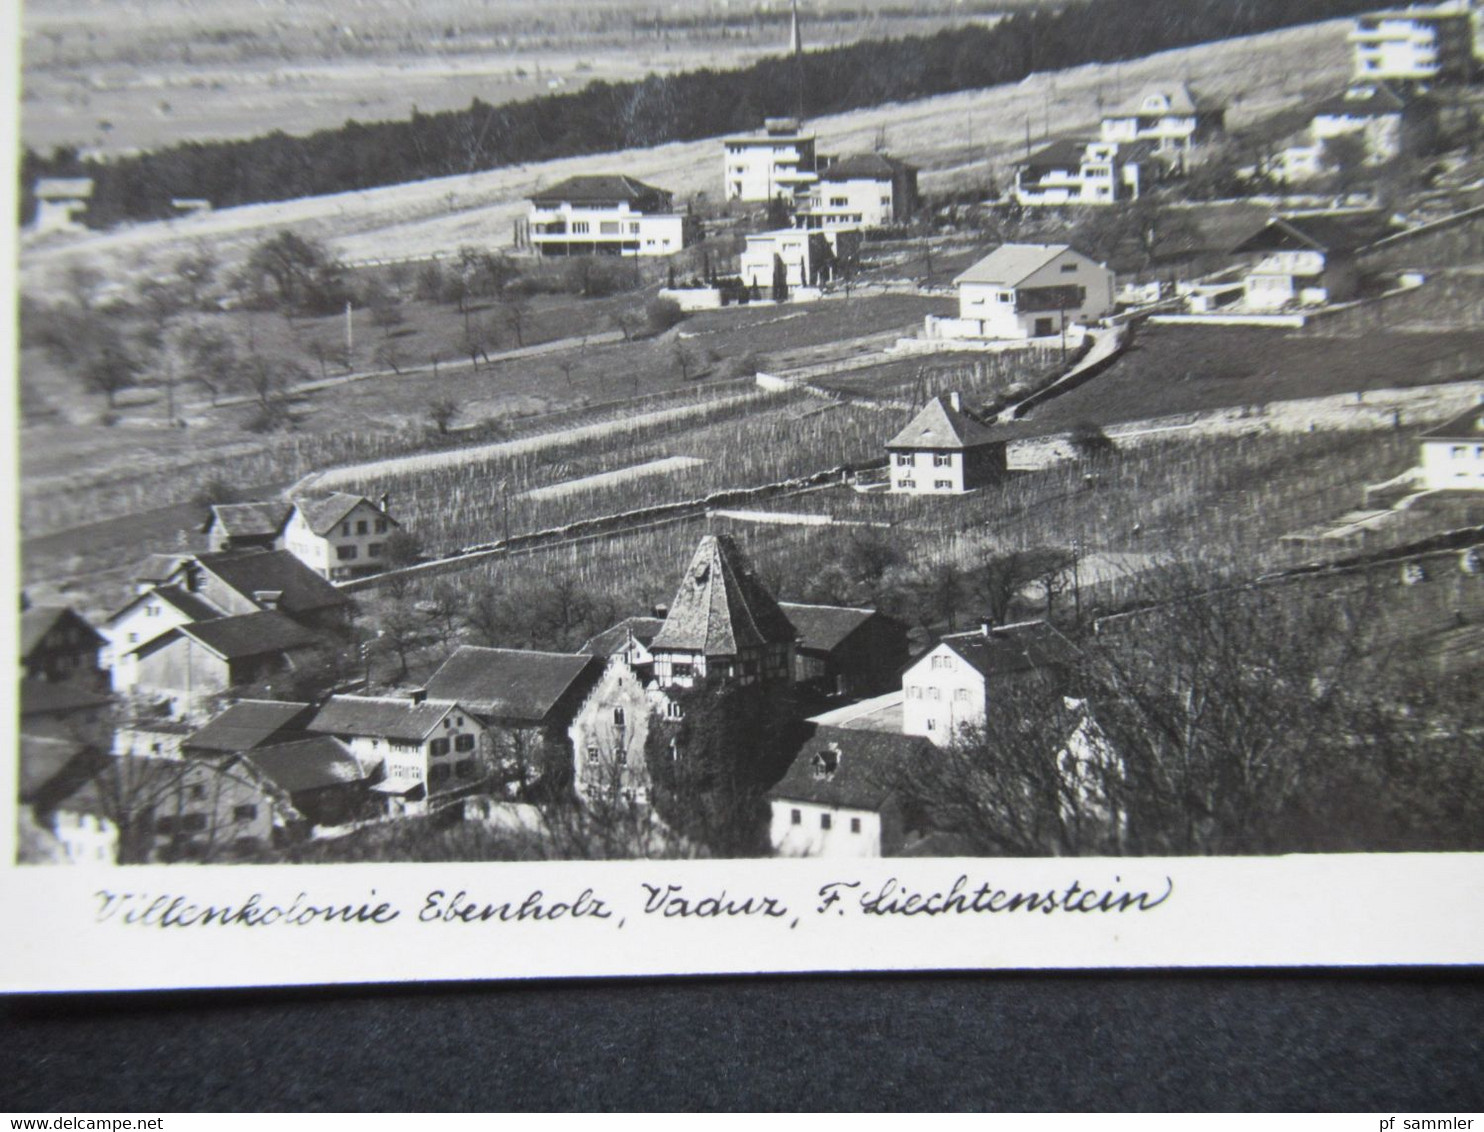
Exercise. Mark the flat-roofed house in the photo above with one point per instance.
(424, 747)
(1027, 291)
(845, 651)
(1453, 453)
(1071, 172)
(809, 258)
(723, 623)
(837, 797)
(944, 451)
(606, 214)
(863, 190)
(527, 700)
(780, 161)
(60, 201)
(1425, 45)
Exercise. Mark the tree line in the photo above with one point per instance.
(606, 116)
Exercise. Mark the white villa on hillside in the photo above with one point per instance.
(809, 258)
(58, 202)
(1084, 172)
(1453, 453)
(866, 190)
(1422, 45)
(1027, 291)
(780, 161)
(608, 214)
(1170, 116)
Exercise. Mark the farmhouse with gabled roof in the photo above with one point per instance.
(1308, 259)
(338, 536)
(234, 526)
(944, 451)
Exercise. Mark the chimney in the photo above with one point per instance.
(418, 695)
(386, 503)
(661, 611)
(267, 599)
(986, 627)
(955, 402)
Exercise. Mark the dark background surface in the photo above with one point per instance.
(1378, 1041)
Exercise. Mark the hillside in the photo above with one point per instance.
(956, 139)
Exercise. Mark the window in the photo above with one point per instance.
(622, 758)
(943, 485)
(345, 529)
(932, 724)
(463, 742)
(464, 768)
(839, 202)
(361, 527)
(960, 695)
(133, 638)
(165, 825)
(618, 718)
(579, 227)
(439, 774)
(942, 459)
(244, 813)
(609, 227)
(1460, 451)
(346, 553)
(935, 693)
(374, 550)
(151, 610)
(1068, 268)
(438, 747)
(907, 485)
(1005, 296)
(381, 526)
(905, 459)
(914, 692)
(824, 821)
(943, 663)
(197, 792)
(593, 755)
(855, 825)
(192, 823)
(886, 202)
(672, 711)
(633, 227)
(796, 817)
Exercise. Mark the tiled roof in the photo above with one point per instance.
(1182, 100)
(1064, 154)
(246, 520)
(616, 639)
(1372, 99)
(323, 514)
(602, 188)
(837, 767)
(940, 426)
(721, 608)
(1002, 653)
(248, 724)
(194, 606)
(51, 769)
(159, 567)
(257, 571)
(865, 166)
(822, 627)
(1008, 264)
(251, 634)
(1321, 231)
(48, 697)
(312, 763)
(1468, 425)
(38, 621)
(510, 684)
(380, 716)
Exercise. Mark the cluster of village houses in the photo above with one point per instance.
(179, 682)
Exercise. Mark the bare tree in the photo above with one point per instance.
(442, 413)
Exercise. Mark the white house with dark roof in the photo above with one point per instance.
(836, 799)
(1453, 453)
(149, 615)
(947, 687)
(59, 201)
(723, 623)
(425, 747)
(780, 161)
(1022, 291)
(863, 190)
(339, 536)
(1307, 259)
(1170, 116)
(943, 451)
(606, 214)
(1077, 172)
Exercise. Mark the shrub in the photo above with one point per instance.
(663, 313)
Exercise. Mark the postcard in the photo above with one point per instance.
(538, 491)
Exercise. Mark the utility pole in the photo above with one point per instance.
(1076, 580)
(797, 42)
(350, 333)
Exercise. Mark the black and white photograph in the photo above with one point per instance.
(886, 435)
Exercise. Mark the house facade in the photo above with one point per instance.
(1389, 122)
(57, 643)
(608, 734)
(836, 799)
(845, 651)
(1453, 453)
(424, 747)
(1306, 259)
(1170, 117)
(943, 451)
(341, 536)
(1422, 45)
(723, 624)
(150, 615)
(868, 190)
(1083, 173)
(780, 161)
(608, 214)
(1027, 291)
(809, 257)
(947, 688)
